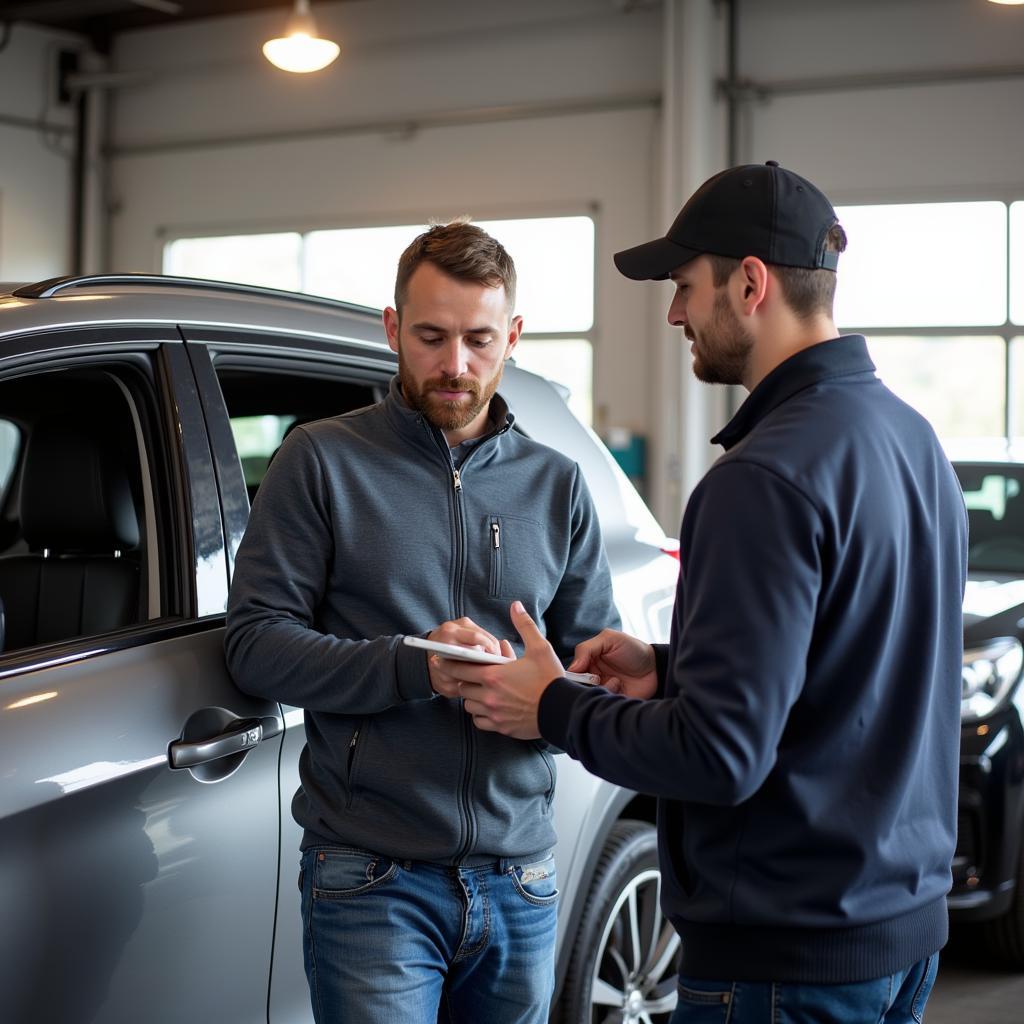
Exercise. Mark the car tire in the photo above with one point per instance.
(1004, 935)
(625, 956)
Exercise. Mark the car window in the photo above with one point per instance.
(82, 517)
(257, 438)
(265, 402)
(995, 513)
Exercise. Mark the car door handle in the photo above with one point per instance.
(243, 735)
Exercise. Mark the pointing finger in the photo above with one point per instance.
(525, 626)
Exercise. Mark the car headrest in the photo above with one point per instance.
(75, 495)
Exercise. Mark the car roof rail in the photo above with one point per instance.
(55, 285)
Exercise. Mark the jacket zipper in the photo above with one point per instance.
(495, 558)
(352, 764)
(469, 748)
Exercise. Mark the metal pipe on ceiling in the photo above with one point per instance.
(401, 127)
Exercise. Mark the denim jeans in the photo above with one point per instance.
(405, 942)
(897, 999)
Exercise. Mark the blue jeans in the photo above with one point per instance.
(897, 999)
(405, 942)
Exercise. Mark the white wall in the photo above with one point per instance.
(945, 139)
(35, 164)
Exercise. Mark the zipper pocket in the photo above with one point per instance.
(355, 748)
(494, 542)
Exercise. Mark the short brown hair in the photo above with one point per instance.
(462, 250)
(807, 292)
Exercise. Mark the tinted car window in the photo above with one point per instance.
(995, 510)
(79, 552)
(264, 403)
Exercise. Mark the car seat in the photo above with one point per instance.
(80, 575)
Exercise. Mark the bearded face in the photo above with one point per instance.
(452, 338)
(449, 403)
(721, 347)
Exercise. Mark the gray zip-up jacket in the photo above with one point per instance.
(363, 532)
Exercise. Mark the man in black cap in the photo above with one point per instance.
(801, 730)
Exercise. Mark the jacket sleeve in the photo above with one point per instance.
(745, 609)
(584, 603)
(273, 645)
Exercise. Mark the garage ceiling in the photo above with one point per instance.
(102, 19)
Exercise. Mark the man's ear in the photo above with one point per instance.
(515, 328)
(752, 283)
(391, 321)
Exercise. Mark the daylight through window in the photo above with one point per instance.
(939, 330)
(554, 259)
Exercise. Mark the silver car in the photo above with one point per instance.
(148, 858)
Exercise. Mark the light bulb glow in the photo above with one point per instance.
(300, 52)
(1008, 3)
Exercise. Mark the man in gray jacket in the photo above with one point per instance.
(427, 877)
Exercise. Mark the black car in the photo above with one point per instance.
(988, 870)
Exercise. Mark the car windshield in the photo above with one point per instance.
(994, 495)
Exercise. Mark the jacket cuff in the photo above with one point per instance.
(412, 673)
(555, 710)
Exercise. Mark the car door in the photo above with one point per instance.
(139, 808)
(277, 382)
(309, 378)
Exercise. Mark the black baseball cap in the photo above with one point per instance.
(758, 210)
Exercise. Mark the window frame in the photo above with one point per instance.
(135, 365)
(1006, 331)
(264, 352)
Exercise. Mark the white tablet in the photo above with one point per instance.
(458, 653)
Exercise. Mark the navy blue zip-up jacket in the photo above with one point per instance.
(804, 742)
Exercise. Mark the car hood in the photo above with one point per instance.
(998, 598)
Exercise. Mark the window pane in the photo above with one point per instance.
(958, 384)
(357, 264)
(273, 261)
(889, 277)
(257, 438)
(554, 258)
(95, 416)
(994, 514)
(566, 361)
(1017, 263)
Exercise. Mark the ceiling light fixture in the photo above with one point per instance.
(1008, 3)
(299, 49)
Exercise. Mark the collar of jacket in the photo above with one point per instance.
(416, 428)
(839, 357)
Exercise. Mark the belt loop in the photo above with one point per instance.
(504, 865)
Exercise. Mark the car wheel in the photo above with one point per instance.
(1004, 935)
(625, 959)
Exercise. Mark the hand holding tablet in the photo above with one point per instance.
(474, 654)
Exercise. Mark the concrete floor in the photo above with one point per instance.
(968, 991)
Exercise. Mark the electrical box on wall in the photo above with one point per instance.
(630, 451)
